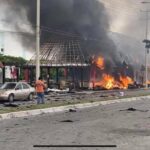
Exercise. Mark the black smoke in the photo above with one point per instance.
(86, 18)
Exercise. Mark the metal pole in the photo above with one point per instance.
(146, 50)
(38, 40)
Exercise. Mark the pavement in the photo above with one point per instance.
(111, 124)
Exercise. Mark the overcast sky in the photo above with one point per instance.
(126, 17)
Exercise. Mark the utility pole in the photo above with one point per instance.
(38, 40)
(2, 41)
(147, 45)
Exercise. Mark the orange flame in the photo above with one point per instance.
(109, 82)
(126, 81)
(100, 62)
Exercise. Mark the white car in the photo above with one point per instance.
(16, 91)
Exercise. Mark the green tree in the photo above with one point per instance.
(10, 60)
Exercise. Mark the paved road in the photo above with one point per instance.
(98, 125)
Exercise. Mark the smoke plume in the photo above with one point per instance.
(85, 18)
(15, 29)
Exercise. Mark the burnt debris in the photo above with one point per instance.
(134, 109)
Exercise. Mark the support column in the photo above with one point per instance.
(17, 73)
(48, 76)
(57, 76)
(74, 77)
(31, 75)
(81, 77)
(3, 74)
(26, 74)
(41, 72)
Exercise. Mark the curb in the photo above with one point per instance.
(65, 108)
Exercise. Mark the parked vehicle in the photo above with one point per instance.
(16, 91)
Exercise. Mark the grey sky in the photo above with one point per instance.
(126, 17)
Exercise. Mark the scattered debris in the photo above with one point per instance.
(66, 121)
(103, 95)
(58, 90)
(7, 129)
(121, 93)
(16, 124)
(56, 100)
(133, 109)
(10, 105)
(72, 92)
(68, 102)
(113, 94)
(29, 106)
(72, 110)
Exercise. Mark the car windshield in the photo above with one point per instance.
(8, 86)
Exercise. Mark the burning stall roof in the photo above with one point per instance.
(61, 52)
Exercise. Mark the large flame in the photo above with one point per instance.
(125, 81)
(107, 81)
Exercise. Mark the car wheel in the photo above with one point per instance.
(11, 98)
(30, 97)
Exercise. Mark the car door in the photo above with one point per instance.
(18, 91)
(26, 90)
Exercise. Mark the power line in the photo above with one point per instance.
(58, 32)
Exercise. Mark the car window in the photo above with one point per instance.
(25, 86)
(19, 86)
(8, 86)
